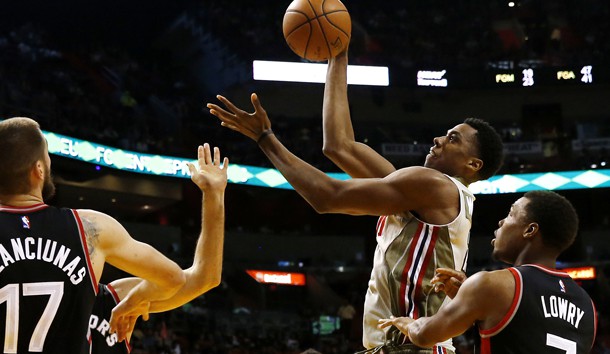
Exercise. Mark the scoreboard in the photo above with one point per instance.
(582, 75)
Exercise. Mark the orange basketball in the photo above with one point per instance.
(317, 29)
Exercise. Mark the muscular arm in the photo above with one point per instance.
(110, 242)
(424, 190)
(355, 158)
(484, 298)
(413, 188)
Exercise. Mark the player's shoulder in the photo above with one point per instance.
(424, 173)
(489, 281)
(94, 216)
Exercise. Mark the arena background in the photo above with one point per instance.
(136, 76)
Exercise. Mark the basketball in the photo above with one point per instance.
(317, 29)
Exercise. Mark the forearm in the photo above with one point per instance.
(312, 184)
(205, 273)
(207, 263)
(340, 146)
(148, 291)
(337, 124)
(420, 335)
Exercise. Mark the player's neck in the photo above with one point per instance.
(548, 261)
(21, 200)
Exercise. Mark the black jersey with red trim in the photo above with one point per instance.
(550, 314)
(102, 342)
(47, 285)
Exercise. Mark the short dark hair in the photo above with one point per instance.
(489, 145)
(556, 217)
(21, 145)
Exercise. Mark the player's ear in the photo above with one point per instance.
(38, 169)
(475, 164)
(531, 230)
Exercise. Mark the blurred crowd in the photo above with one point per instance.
(464, 34)
(112, 96)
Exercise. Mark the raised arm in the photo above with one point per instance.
(340, 146)
(205, 273)
(484, 298)
(415, 188)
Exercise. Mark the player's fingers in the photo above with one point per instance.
(256, 102)
(439, 287)
(207, 155)
(383, 323)
(218, 111)
(225, 164)
(446, 271)
(216, 156)
(455, 282)
(192, 168)
(229, 104)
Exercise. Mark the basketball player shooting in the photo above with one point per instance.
(421, 208)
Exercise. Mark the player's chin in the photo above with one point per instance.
(430, 161)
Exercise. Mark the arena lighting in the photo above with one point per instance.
(169, 166)
(316, 73)
(271, 277)
(581, 273)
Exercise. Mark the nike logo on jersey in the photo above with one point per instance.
(558, 307)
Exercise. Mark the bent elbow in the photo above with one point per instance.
(420, 339)
(176, 281)
(213, 283)
(335, 152)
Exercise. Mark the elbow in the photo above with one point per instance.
(333, 151)
(176, 281)
(322, 205)
(213, 283)
(419, 339)
(329, 150)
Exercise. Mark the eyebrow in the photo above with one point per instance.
(454, 132)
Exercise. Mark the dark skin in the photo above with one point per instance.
(424, 190)
(485, 297)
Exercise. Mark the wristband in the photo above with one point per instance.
(263, 135)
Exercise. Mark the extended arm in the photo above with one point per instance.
(340, 146)
(483, 298)
(205, 273)
(415, 188)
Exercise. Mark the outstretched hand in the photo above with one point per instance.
(448, 280)
(209, 174)
(253, 125)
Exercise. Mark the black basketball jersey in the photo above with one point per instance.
(102, 342)
(549, 314)
(47, 285)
